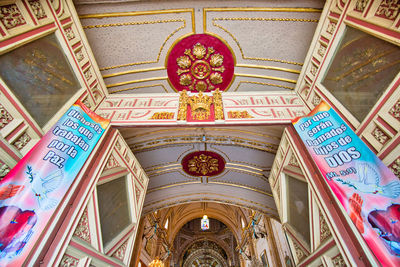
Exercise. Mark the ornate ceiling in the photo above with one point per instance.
(133, 41)
(169, 46)
(247, 154)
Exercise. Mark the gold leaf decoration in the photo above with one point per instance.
(215, 78)
(185, 79)
(216, 60)
(203, 164)
(184, 62)
(199, 51)
(201, 86)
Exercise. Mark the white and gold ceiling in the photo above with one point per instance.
(131, 40)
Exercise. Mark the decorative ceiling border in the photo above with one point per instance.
(208, 129)
(261, 83)
(139, 87)
(137, 81)
(258, 206)
(255, 9)
(236, 141)
(141, 13)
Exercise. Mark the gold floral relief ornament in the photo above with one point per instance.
(203, 164)
(183, 102)
(200, 68)
(218, 107)
(200, 106)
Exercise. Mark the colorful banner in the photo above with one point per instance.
(32, 190)
(366, 188)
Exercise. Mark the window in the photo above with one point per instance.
(114, 208)
(40, 76)
(297, 206)
(361, 70)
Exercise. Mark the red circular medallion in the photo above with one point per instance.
(200, 62)
(203, 163)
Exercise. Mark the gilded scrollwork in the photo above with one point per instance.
(37, 9)
(338, 261)
(5, 117)
(325, 233)
(79, 55)
(380, 136)
(69, 261)
(360, 5)
(11, 16)
(395, 110)
(120, 253)
(82, 230)
(22, 141)
(183, 102)
(218, 106)
(4, 169)
(69, 33)
(388, 9)
(395, 167)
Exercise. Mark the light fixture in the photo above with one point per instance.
(156, 263)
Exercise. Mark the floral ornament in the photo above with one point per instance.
(183, 62)
(200, 68)
(203, 164)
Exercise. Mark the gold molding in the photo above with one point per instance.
(141, 13)
(265, 77)
(211, 194)
(243, 170)
(253, 58)
(263, 168)
(261, 83)
(131, 72)
(270, 150)
(211, 129)
(245, 166)
(139, 87)
(137, 81)
(171, 185)
(156, 173)
(265, 9)
(169, 164)
(267, 68)
(120, 24)
(255, 9)
(244, 187)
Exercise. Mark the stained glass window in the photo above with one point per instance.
(205, 223)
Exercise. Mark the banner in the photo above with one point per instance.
(32, 190)
(366, 188)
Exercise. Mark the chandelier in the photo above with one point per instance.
(156, 263)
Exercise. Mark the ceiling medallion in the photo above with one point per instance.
(203, 163)
(200, 63)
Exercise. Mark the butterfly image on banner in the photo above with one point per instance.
(41, 187)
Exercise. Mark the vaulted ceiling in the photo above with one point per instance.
(132, 40)
(142, 46)
(248, 153)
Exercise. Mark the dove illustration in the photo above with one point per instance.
(369, 182)
(42, 186)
